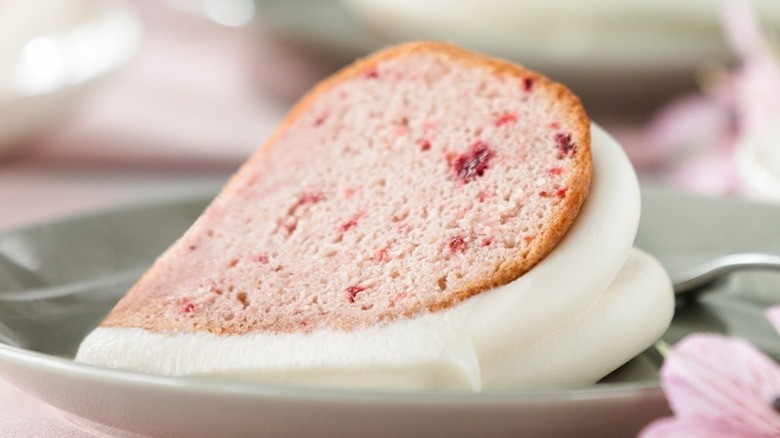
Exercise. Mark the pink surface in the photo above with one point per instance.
(24, 416)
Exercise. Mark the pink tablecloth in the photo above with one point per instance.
(23, 416)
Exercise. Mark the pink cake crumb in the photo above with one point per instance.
(565, 145)
(341, 223)
(382, 255)
(396, 298)
(351, 222)
(505, 119)
(473, 163)
(372, 73)
(213, 288)
(290, 227)
(352, 292)
(403, 228)
(528, 84)
(351, 191)
(260, 258)
(309, 198)
(320, 119)
(457, 244)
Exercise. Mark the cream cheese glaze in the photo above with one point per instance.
(588, 307)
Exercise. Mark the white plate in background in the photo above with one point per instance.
(622, 52)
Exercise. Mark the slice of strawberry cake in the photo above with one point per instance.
(406, 227)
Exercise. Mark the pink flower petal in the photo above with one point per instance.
(712, 172)
(696, 428)
(757, 86)
(714, 378)
(689, 124)
(757, 82)
(773, 315)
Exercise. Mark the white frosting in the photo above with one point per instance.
(588, 307)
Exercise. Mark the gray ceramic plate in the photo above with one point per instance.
(58, 280)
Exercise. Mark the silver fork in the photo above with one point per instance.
(689, 285)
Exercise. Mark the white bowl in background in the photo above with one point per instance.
(50, 52)
(629, 53)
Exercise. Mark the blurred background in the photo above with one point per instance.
(108, 102)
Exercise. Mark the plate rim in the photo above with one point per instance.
(261, 390)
